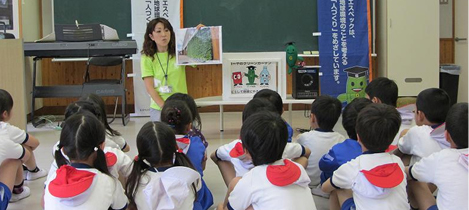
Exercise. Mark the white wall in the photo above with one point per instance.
(31, 31)
(446, 20)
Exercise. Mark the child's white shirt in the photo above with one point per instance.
(407, 120)
(255, 189)
(115, 141)
(422, 141)
(171, 189)
(448, 170)
(366, 195)
(319, 143)
(242, 166)
(105, 192)
(10, 149)
(13, 133)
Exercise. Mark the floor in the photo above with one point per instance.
(210, 121)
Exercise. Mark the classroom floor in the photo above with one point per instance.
(210, 121)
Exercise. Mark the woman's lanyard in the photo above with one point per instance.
(167, 66)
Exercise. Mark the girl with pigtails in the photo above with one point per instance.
(178, 116)
(162, 176)
(83, 180)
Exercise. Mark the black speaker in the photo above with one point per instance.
(305, 83)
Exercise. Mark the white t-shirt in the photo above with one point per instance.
(422, 141)
(115, 142)
(366, 195)
(255, 189)
(171, 189)
(319, 143)
(408, 120)
(446, 169)
(13, 133)
(10, 149)
(104, 192)
(242, 165)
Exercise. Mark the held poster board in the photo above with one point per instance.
(9, 15)
(199, 46)
(244, 74)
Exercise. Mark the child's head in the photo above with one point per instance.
(382, 90)
(256, 105)
(177, 115)
(197, 123)
(6, 104)
(82, 139)
(156, 145)
(456, 126)
(432, 106)
(350, 114)
(102, 108)
(377, 125)
(83, 106)
(325, 111)
(273, 97)
(264, 136)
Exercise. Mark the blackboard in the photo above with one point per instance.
(113, 13)
(248, 25)
(257, 25)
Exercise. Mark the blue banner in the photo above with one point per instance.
(344, 47)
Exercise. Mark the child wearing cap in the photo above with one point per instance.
(428, 136)
(231, 159)
(375, 179)
(384, 90)
(325, 112)
(83, 180)
(447, 169)
(274, 182)
(345, 151)
(277, 101)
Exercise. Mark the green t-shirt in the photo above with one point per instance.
(176, 75)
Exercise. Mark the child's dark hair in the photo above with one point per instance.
(197, 123)
(377, 125)
(102, 108)
(434, 103)
(273, 97)
(81, 136)
(264, 136)
(256, 105)
(177, 115)
(156, 144)
(327, 111)
(384, 89)
(456, 124)
(81, 106)
(350, 114)
(6, 102)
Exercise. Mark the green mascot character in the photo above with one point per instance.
(292, 57)
(251, 75)
(356, 84)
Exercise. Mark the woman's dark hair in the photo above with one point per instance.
(81, 135)
(102, 108)
(149, 46)
(177, 115)
(264, 136)
(156, 144)
(350, 114)
(197, 123)
(256, 105)
(6, 102)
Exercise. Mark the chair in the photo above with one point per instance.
(108, 87)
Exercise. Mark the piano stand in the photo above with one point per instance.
(71, 91)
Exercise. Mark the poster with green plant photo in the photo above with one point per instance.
(199, 46)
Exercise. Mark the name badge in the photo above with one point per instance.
(166, 89)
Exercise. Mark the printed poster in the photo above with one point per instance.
(199, 46)
(249, 77)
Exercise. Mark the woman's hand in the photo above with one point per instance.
(200, 26)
